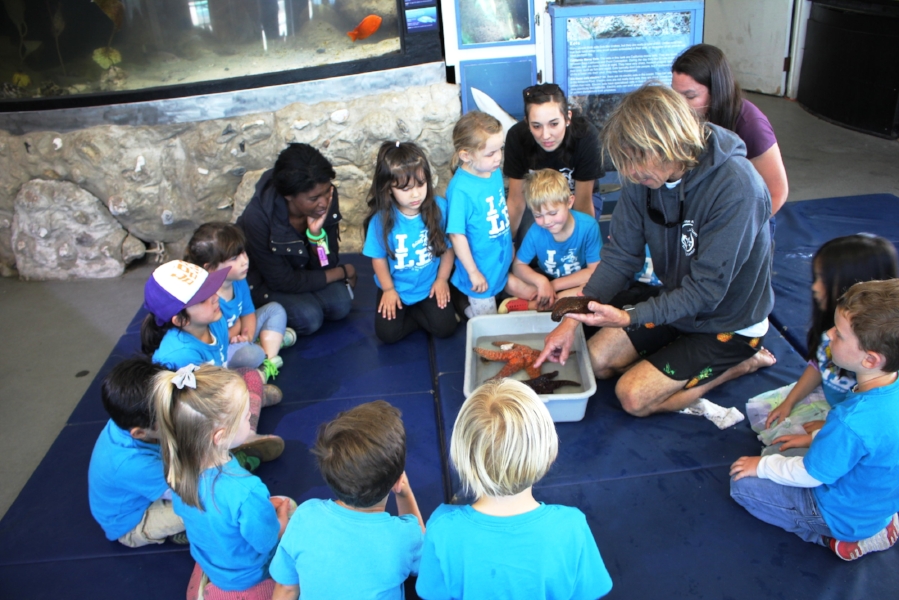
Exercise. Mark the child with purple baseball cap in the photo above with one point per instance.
(177, 285)
(186, 326)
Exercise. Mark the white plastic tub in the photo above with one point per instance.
(529, 328)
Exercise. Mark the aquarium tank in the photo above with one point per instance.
(68, 53)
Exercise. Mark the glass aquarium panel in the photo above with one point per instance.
(493, 21)
(80, 47)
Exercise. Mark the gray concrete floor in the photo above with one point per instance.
(56, 330)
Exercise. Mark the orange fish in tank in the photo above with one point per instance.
(368, 26)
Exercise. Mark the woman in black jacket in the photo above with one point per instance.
(291, 226)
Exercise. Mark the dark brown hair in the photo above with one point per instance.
(842, 262)
(577, 125)
(214, 243)
(400, 165)
(362, 453)
(707, 65)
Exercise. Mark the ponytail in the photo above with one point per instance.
(187, 419)
(151, 332)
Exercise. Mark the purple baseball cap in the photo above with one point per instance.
(176, 285)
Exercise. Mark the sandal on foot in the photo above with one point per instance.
(512, 305)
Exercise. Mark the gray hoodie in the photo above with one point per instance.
(715, 265)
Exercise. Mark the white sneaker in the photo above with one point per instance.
(290, 338)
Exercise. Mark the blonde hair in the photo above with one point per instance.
(653, 124)
(471, 132)
(504, 440)
(546, 186)
(187, 420)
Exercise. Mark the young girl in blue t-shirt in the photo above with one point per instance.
(503, 442)
(232, 523)
(836, 266)
(478, 221)
(219, 245)
(409, 251)
(186, 326)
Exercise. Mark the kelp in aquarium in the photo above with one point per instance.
(58, 25)
(16, 11)
(115, 10)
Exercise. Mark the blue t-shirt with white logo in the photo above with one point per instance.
(477, 209)
(179, 348)
(856, 458)
(560, 259)
(241, 304)
(413, 266)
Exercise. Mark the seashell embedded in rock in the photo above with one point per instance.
(340, 116)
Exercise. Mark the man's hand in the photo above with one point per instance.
(557, 344)
(602, 315)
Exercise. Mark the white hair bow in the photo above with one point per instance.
(185, 377)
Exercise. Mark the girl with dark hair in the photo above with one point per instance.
(703, 76)
(217, 245)
(837, 266)
(291, 226)
(551, 137)
(405, 237)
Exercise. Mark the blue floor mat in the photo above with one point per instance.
(802, 227)
(132, 576)
(680, 535)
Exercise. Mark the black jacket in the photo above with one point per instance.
(281, 259)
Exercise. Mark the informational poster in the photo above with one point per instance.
(603, 51)
(616, 54)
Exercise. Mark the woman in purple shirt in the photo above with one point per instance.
(703, 76)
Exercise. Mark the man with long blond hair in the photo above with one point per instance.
(694, 199)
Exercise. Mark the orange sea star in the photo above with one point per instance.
(516, 357)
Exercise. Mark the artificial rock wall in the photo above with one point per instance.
(85, 203)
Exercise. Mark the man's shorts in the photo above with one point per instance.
(696, 358)
(692, 357)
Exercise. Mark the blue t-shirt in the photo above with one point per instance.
(477, 209)
(239, 305)
(335, 553)
(856, 457)
(124, 478)
(548, 552)
(560, 259)
(836, 386)
(414, 268)
(234, 537)
(179, 348)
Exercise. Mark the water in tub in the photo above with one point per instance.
(485, 370)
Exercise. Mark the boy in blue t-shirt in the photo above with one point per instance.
(565, 244)
(351, 548)
(844, 493)
(506, 544)
(128, 494)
